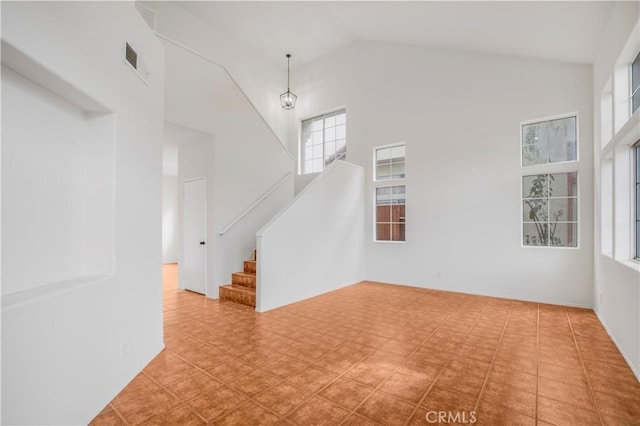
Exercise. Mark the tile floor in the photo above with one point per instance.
(379, 354)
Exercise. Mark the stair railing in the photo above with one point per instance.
(255, 203)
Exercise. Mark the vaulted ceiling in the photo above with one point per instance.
(565, 31)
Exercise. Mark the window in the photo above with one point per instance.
(550, 210)
(636, 149)
(390, 191)
(635, 84)
(606, 206)
(390, 162)
(549, 141)
(324, 139)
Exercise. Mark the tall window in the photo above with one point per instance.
(550, 210)
(550, 200)
(636, 150)
(390, 193)
(324, 140)
(635, 84)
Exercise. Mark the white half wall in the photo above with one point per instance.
(315, 244)
(459, 115)
(81, 141)
(169, 219)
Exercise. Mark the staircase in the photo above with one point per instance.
(243, 285)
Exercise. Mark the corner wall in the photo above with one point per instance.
(68, 347)
(616, 294)
(459, 115)
(169, 219)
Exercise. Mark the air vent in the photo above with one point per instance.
(132, 56)
(136, 63)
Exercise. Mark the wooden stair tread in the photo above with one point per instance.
(239, 288)
(240, 295)
(243, 279)
(242, 289)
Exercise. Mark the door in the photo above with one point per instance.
(194, 236)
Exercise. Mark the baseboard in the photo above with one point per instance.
(615, 342)
(495, 296)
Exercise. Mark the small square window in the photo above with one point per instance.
(550, 141)
(389, 162)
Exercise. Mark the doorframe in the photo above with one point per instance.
(206, 232)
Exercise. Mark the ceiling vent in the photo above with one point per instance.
(133, 59)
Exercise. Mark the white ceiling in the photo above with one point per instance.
(564, 31)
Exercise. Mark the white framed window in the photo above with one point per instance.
(389, 162)
(553, 140)
(550, 210)
(606, 206)
(323, 140)
(636, 208)
(635, 84)
(389, 200)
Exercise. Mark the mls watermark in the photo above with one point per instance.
(459, 417)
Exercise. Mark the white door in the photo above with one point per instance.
(194, 236)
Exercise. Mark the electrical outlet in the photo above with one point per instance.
(125, 350)
(440, 275)
(601, 298)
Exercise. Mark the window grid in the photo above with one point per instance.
(389, 162)
(542, 211)
(390, 193)
(324, 140)
(390, 213)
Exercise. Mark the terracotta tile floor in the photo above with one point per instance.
(379, 354)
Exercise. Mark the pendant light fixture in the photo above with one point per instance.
(288, 99)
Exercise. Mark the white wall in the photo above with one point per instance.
(52, 163)
(316, 243)
(459, 115)
(68, 347)
(242, 160)
(169, 219)
(259, 79)
(616, 292)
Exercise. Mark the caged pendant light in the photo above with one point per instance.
(288, 99)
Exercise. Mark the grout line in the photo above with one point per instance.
(537, 359)
(444, 365)
(119, 415)
(584, 367)
(486, 377)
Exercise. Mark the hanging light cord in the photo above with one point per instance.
(288, 56)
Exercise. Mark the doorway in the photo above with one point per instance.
(193, 267)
